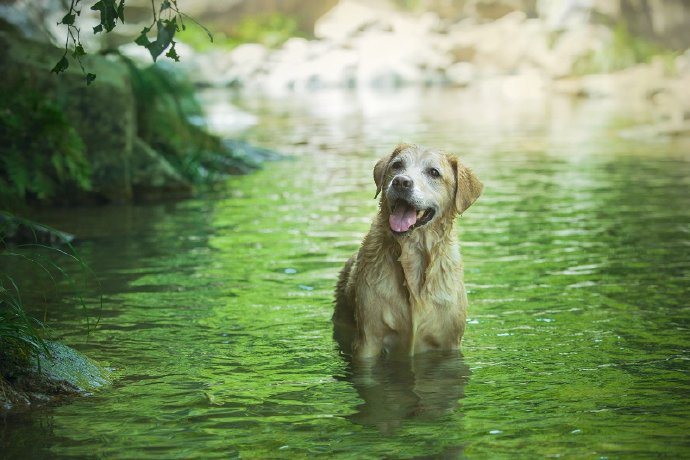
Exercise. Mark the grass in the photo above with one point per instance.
(22, 336)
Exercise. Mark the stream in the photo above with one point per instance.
(215, 313)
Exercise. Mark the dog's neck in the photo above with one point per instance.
(424, 255)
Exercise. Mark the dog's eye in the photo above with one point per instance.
(433, 172)
(397, 165)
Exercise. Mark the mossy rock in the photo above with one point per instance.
(59, 373)
(103, 114)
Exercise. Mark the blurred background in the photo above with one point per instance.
(631, 53)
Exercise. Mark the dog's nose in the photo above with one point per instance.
(402, 183)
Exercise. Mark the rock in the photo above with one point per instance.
(103, 113)
(495, 9)
(65, 364)
(251, 154)
(14, 230)
(346, 19)
(59, 373)
(153, 177)
(461, 73)
(575, 45)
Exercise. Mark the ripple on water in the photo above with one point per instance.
(216, 312)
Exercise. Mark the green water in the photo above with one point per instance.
(216, 311)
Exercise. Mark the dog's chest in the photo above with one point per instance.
(433, 281)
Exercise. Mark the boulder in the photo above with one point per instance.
(102, 113)
(153, 177)
(58, 372)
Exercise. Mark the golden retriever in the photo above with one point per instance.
(402, 293)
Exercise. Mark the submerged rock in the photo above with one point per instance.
(57, 373)
(14, 230)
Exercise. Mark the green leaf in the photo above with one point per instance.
(90, 77)
(165, 32)
(78, 51)
(61, 66)
(97, 29)
(58, 167)
(121, 11)
(172, 53)
(142, 39)
(165, 4)
(68, 19)
(109, 14)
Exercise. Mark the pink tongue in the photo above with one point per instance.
(402, 218)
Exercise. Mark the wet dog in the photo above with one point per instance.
(403, 293)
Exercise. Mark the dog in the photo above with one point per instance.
(403, 292)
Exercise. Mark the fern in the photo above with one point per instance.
(17, 172)
(42, 154)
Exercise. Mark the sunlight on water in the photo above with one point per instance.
(216, 312)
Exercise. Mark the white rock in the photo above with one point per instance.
(345, 19)
(461, 73)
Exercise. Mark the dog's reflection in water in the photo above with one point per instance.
(426, 386)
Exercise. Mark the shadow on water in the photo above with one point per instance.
(424, 387)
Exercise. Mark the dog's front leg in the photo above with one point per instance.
(367, 347)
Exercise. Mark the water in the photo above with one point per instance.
(216, 311)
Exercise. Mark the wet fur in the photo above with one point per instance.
(404, 294)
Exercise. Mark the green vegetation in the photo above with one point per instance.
(622, 51)
(20, 334)
(25, 258)
(27, 362)
(165, 104)
(42, 154)
(167, 21)
(271, 30)
(408, 5)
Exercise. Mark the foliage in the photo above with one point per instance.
(622, 51)
(165, 106)
(271, 30)
(167, 21)
(408, 5)
(21, 335)
(18, 331)
(42, 154)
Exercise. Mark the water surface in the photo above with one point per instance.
(216, 311)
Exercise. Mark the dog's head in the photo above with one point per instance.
(421, 185)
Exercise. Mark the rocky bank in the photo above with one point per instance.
(617, 49)
(140, 127)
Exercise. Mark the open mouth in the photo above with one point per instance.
(405, 217)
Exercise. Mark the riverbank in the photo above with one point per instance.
(217, 309)
(137, 133)
(586, 52)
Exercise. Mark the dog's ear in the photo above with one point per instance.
(468, 186)
(382, 165)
